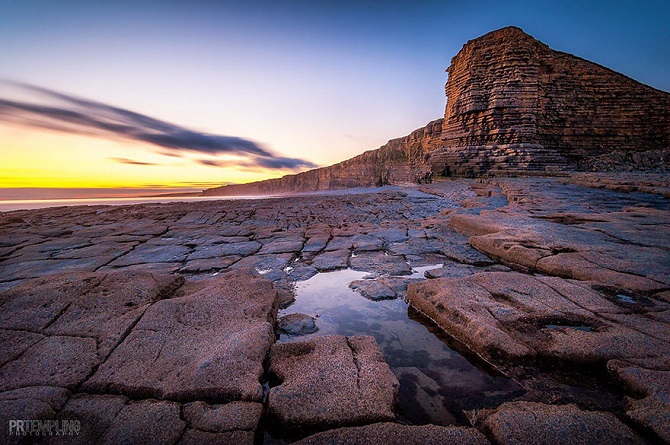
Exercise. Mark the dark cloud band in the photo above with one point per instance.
(81, 116)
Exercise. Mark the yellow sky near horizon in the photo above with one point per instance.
(49, 159)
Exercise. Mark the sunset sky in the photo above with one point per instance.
(143, 96)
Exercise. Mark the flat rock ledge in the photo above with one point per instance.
(209, 345)
(330, 381)
(395, 434)
(509, 316)
(537, 423)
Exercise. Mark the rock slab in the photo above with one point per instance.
(330, 381)
(209, 345)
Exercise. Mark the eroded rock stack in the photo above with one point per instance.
(515, 105)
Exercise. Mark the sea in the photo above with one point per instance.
(30, 204)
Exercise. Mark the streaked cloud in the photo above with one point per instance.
(130, 161)
(70, 114)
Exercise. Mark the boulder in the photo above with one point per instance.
(297, 324)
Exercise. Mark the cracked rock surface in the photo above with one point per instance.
(331, 381)
(157, 322)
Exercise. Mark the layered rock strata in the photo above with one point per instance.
(400, 161)
(515, 105)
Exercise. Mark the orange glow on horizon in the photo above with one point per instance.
(46, 159)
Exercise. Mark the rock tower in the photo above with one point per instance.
(515, 105)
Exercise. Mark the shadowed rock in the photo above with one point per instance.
(649, 381)
(526, 422)
(297, 324)
(395, 434)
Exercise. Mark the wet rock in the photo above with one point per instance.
(271, 267)
(364, 243)
(340, 243)
(450, 271)
(391, 234)
(373, 290)
(209, 345)
(302, 272)
(466, 255)
(649, 384)
(285, 292)
(297, 324)
(149, 253)
(316, 243)
(326, 261)
(330, 381)
(240, 249)
(396, 434)
(396, 284)
(417, 246)
(207, 251)
(282, 246)
(208, 264)
(526, 422)
(380, 263)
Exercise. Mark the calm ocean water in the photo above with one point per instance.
(6, 206)
(29, 204)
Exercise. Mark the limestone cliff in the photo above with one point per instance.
(514, 106)
(401, 160)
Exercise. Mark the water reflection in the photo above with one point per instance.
(436, 382)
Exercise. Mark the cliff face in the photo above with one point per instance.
(513, 106)
(401, 160)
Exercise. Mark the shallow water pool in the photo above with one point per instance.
(437, 384)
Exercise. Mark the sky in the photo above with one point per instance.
(137, 97)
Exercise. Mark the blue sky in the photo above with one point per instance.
(319, 81)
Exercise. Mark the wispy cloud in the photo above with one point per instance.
(70, 114)
(130, 161)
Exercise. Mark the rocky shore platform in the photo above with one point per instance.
(161, 323)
